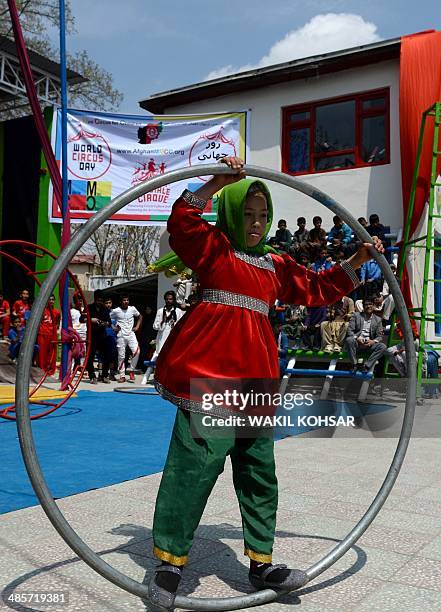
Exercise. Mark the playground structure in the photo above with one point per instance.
(70, 383)
(25, 430)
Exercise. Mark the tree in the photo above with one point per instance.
(123, 250)
(36, 17)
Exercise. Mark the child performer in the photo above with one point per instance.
(5, 317)
(240, 278)
(22, 306)
(48, 336)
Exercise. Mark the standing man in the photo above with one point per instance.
(100, 319)
(183, 286)
(111, 339)
(21, 306)
(165, 320)
(48, 336)
(146, 336)
(5, 317)
(128, 321)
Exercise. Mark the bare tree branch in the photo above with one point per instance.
(123, 249)
(36, 16)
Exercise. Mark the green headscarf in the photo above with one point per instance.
(230, 219)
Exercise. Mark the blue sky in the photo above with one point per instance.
(151, 47)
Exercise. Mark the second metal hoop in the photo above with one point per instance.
(25, 430)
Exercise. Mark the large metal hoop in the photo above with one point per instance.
(24, 425)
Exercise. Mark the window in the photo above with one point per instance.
(335, 134)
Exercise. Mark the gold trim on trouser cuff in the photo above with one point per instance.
(173, 559)
(259, 557)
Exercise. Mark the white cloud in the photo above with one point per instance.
(322, 34)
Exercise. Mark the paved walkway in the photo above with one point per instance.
(325, 487)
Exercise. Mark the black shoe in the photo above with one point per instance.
(159, 595)
(291, 579)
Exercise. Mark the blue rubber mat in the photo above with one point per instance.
(97, 440)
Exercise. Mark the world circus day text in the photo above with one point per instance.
(107, 155)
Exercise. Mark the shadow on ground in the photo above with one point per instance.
(236, 577)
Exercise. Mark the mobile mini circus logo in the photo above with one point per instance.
(210, 148)
(89, 155)
(149, 132)
(145, 171)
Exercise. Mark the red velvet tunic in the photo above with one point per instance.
(223, 341)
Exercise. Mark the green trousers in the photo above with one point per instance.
(191, 470)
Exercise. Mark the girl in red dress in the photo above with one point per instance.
(227, 335)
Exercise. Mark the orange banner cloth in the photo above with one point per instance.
(420, 88)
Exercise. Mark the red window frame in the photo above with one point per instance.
(360, 114)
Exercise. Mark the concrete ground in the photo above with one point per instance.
(326, 485)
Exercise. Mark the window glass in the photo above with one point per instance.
(299, 150)
(373, 103)
(373, 146)
(302, 116)
(335, 127)
(337, 134)
(335, 162)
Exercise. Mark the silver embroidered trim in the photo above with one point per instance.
(190, 405)
(193, 200)
(196, 407)
(218, 296)
(259, 261)
(350, 272)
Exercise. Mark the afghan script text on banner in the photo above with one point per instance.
(108, 154)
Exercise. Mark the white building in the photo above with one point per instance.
(334, 121)
(331, 119)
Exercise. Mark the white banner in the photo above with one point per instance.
(107, 154)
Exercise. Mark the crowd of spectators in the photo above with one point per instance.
(120, 335)
(326, 328)
(13, 320)
(360, 321)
